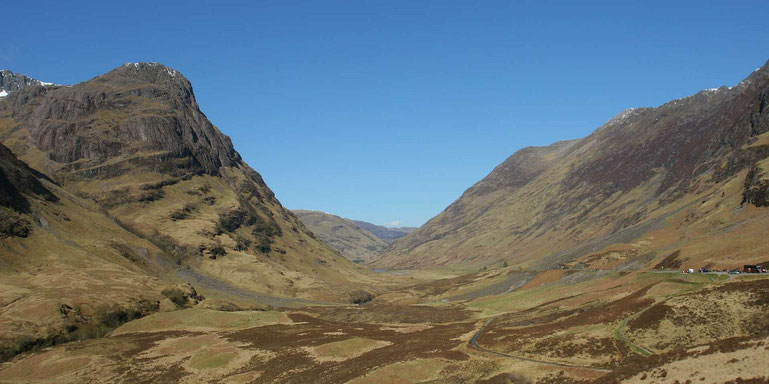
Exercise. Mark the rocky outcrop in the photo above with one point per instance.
(18, 181)
(131, 111)
(11, 82)
(756, 188)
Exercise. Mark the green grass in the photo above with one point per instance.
(190, 319)
(517, 300)
(208, 359)
(346, 349)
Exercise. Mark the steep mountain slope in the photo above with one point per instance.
(63, 263)
(685, 180)
(343, 235)
(135, 142)
(388, 234)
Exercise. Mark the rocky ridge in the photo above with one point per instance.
(12, 82)
(640, 182)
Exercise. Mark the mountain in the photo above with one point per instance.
(345, 236)
(680, 185)
(388, 234)
(117, 188)
(97, 243)
(11, 82)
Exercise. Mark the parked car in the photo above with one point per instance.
(753, 269)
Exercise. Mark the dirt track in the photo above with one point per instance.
(473, 343)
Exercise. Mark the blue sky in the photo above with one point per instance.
(386, 111)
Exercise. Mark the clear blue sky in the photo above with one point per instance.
(388, 110)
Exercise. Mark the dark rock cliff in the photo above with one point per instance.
(17, 181)
(135, 110)
(12, 82)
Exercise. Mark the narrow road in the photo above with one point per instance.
(619, 333)
(473, 343)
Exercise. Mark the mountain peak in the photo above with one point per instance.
(12, 82)
(150, 67)
(132, 74)
(157, 112)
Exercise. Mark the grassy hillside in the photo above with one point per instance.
(68, 270)
(686, 180)
(388, 234)
(343, 235)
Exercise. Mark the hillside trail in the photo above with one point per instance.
(474, 344)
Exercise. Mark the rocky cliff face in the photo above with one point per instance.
(643, 171)
(18, 183)
(12, 82)
(137, 108)
(135, 141)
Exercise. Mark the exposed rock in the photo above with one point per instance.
(360, 297)
(11, 82)
(756, 188)
(132, 110)
(17, 180)
(182, 295)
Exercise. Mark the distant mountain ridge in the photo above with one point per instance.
(345, 236)
(388, 234)
(356, 240)
(650, 181)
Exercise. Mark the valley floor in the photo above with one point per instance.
(441, 326)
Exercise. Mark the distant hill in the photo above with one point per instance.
(346, 236)
(354, 239)
(688, 180)
(388, 234)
